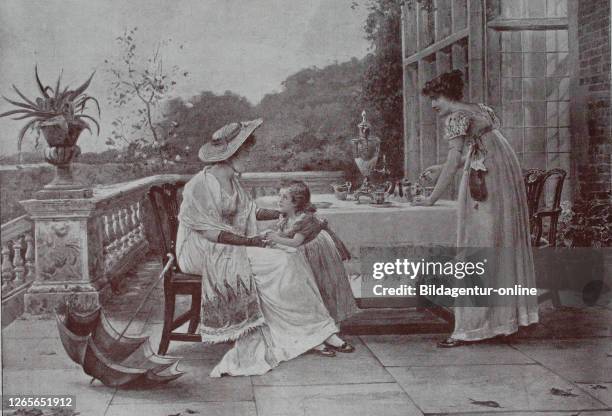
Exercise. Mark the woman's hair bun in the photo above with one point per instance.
(448, 84)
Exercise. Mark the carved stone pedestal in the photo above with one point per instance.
(65, 270)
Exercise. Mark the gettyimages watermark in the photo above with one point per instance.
(468, 276)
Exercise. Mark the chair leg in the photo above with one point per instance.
(196, 305)
(168, 320)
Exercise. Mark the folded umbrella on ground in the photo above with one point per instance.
(113, 358)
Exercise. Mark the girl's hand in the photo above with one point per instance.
(421, 201)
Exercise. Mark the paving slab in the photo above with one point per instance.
(421, 350)
(602, 391)
(195, 409)
(339, 400)
(585, 322)
(48, 354)
(194, 386)
(310, 369)
(30, 328)
(91, 399)
(525, 388)
(17, 353)
(577, 360)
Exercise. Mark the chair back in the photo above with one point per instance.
(166, 200)
(534, 185)
(553, 181)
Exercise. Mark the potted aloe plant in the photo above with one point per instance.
(59, 114)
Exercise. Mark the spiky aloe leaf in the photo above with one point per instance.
(80, 105)
(18, 104)
(82, 116)
(23, 131)
(24, 97)
(87, 127)
(82, 88)
(10, 113)
(40, 85)
(57, 85)
(35, 114)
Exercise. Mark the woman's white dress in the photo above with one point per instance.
(265, 299)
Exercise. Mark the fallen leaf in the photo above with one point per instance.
(191, 411)
(564, 393)
(48, 353)
(599, 387)
(486, 403)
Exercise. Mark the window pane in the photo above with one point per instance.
(535, 64)
(535, 114)
(535, 139)
(534, 89)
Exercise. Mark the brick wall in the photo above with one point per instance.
(594, 149)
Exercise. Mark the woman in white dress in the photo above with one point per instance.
(264, 299)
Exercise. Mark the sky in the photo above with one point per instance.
(246, 46)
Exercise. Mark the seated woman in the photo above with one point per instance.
(264, 299)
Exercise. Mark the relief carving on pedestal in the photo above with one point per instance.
(58, 251)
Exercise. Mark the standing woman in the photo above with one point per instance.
(492, 208)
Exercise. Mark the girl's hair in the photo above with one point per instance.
(449, 85)
(300, 196)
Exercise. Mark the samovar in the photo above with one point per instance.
(366, 150)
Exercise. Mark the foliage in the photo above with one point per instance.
(588, 223)
(383, 82)
(58, 106)
(139, 85)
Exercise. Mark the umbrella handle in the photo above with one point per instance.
(161, 276)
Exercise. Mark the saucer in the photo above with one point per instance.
(385, 204)
(322, 205)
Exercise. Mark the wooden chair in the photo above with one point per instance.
(165, 201)
(554, 178)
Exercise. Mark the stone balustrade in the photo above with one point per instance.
(17, 254)
(83, 244)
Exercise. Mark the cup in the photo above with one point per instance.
(379, 197)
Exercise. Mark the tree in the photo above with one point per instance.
(140, 84)
(383, 81)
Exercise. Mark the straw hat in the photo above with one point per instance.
(227, 140)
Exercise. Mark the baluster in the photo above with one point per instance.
(141, 230)
(7, 266)
(18, 261)
(125, 243)
(29, 258)
(115, 245)
(134, 218)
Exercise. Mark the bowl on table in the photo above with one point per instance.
(341, 191)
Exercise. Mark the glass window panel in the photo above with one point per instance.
(512, 8)
(534, 89)
(552, 139)
(512, 89)
(552, 88)
(535, 114)
(557, 64)
(535, 139)
(552, 114)
(551, 41)
(512, 115)
(564, 114)
(534, 160)
(512, 64)
(536, 8)
(515, 138)
(534, 64)
(565, 139)
(516, 41)
(534, 41)
(564, 86)
(562, 40)
(556, 8)
(506, 39)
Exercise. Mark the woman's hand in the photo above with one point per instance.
(422, 201)
(431, 174)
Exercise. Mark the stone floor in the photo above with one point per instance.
(561, 367)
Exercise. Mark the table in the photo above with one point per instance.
(398, 224)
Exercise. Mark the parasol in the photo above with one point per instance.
(109, 356)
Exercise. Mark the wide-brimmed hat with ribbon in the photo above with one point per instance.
(227, 140)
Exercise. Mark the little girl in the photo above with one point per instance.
(323, 250)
